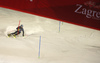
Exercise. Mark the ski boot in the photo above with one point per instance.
(14, 35)
(9, 35)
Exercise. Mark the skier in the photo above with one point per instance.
(19, 29)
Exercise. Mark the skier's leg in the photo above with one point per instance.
(17, 33)
(14, 32)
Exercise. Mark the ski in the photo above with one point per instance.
(12, 35)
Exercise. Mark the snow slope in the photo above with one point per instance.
(73, 44)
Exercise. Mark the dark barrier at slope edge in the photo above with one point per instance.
(85, 13)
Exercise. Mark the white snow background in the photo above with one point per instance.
(73, 44)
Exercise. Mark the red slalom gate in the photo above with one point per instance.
(18, 27)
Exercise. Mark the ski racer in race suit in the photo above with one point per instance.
(19, 29)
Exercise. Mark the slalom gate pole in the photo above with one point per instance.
(39, 47)
(59, 25)
(62, 23)
(18, 27)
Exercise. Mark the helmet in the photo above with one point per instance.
(21, 25)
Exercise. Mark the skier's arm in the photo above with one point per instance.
(17, 28)
(23, 32)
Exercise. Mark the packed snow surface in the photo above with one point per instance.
(73, 44)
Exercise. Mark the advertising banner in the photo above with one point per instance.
(84, 13)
